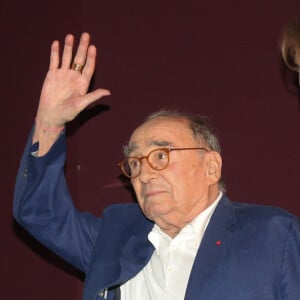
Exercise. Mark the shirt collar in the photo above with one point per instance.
(196, 227)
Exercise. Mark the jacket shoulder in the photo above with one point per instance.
(256, 214)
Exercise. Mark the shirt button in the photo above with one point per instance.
(170, 269)
(172, 246)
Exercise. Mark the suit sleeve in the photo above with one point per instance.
(43, 206)
(290, 287)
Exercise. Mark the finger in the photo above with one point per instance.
(92, 97)
(89, 67)
(67, 52)
(81, 53)
(54, 56)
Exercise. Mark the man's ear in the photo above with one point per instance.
(213, 167)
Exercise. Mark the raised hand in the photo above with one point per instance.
(64, 93)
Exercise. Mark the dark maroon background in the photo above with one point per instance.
(217, 58)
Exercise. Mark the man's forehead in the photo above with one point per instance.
(160, 132)
(160, 126)
(161, 129)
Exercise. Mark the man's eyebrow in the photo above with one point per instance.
(132, 147)
(161, 143)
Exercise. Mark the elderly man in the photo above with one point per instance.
(184, 239)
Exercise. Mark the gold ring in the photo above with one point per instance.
(77, 67)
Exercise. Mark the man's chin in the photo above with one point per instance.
(155, 210)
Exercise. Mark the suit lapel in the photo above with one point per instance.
(137, 251)
(215, 242)
(113, 264)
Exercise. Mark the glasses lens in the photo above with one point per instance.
(131, 167)
(159, 159)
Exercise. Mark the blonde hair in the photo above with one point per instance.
(290, 44)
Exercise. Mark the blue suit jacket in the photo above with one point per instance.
(248, 252)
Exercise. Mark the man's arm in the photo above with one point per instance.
(42, 203)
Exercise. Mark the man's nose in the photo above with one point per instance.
(147, 172)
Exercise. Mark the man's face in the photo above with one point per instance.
(175, 195)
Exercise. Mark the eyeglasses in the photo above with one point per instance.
(157, 159)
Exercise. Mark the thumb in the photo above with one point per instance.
(93, 96)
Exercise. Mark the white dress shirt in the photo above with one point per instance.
(166, 275)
